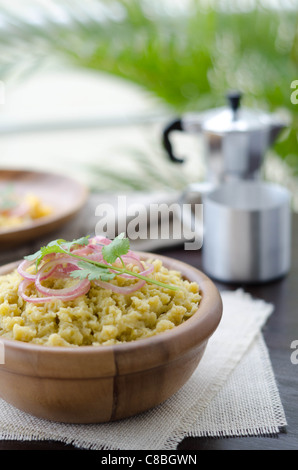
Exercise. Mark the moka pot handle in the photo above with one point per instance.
(175, 125)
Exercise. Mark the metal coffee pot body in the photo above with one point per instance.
(235, 139)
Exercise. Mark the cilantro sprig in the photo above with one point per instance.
(56, 246)
(94, 270)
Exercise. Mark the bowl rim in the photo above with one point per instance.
(208, 316)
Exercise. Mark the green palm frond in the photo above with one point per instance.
(187, 58)
(151, 171)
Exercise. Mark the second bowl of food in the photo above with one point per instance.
(92, 332)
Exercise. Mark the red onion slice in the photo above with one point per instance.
(80, 288)
(135, 262)
(68, 293)
(22, 289)
(22, 270)
(85, 250)
(98, 239)
(125, 290)
(49, 298)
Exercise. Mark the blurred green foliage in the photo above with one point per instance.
(187, 57)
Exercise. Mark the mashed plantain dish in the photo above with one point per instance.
(117, 298)
(16, 211)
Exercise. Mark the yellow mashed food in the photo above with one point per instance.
(99, 317)
(36, 210)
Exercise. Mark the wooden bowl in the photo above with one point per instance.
(91, 384)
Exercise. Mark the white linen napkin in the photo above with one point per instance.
(232, 393)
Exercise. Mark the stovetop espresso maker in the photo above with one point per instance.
(235, 139)
(244, 229)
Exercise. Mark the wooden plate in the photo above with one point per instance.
(65, 195)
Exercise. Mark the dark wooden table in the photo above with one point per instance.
(279, 332)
